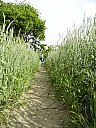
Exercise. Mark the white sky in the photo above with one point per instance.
(62, 14)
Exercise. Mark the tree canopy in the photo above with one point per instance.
(26, 19)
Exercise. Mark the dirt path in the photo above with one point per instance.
(38, 107)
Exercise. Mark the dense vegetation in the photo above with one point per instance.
(71, 66)
(18, 64)
(72, 70)
(24, 18)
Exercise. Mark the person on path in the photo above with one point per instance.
(42, 59)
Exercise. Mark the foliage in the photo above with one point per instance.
(26, 19)
(43, 47)
(18, 64)
(72, 69)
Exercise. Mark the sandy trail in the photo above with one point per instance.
(38, 107)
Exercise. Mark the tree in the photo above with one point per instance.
(43, 50)
(43, 47)
(26, 19)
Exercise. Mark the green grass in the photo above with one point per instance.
(18, 64)
(72, 70)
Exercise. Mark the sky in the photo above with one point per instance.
(61, 15)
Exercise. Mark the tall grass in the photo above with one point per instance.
(72, 70)
(18, 64)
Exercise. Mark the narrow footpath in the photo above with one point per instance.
(38, 107)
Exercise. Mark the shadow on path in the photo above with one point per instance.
(38, 108)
